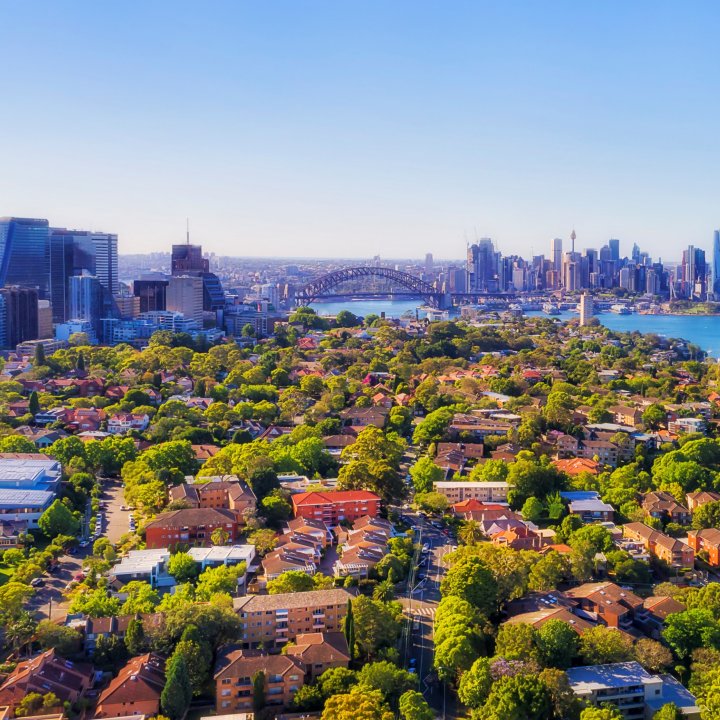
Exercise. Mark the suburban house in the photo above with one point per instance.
(588, 506)
(135, 690)
(193, 526)
(275, 619)
(334, 507)
(123, 423)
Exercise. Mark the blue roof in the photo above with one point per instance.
(612, 675)
(18, 498)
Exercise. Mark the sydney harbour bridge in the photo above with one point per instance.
(397, 284)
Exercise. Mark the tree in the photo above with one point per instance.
(220, 579)
(135, 637)
(601, 713)
(652, 655)
(475, 684)
(219, 536)
(110, 651)
(707, 516)
(377, 625)
(34, 403)
(600, 645)
(517, 697)
(357, 705)
(471, 580)
(264, 540)
(434, 426)
(13, 595)
(388, 678)
(424, 474)
(349, 629)
(197, 655)
(532, 509)
(337, 681)
(654, 417)
(141, 598)
(691, 629)
(95, 603)
(669, 711)
(558, 644)
(566, 704)
(65, 640)
(58, 520)
(177, 693)
(182, 567)
(39, 355)
(20, 630)
(516, 641)
(275, 508)
(432, 502)
(413, 706)
(549, 571)
(290, 581)
(308, 699)
(258, 682)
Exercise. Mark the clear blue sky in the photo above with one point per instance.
(354, 128)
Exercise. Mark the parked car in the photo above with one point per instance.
(36, 582)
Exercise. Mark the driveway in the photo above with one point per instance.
(115, 522)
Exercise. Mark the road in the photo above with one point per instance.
(48, 602)
(421, 606)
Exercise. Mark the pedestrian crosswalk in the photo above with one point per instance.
(426, 611)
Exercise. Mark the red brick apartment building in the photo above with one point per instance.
(192, 527)
(334, 507)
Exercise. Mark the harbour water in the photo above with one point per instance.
(703, 331)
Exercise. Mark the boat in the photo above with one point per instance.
(620, 309)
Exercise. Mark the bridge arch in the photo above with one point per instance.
(321, 286)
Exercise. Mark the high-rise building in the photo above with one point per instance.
(556, 254)
(78, 252)
(185, 295)
(106, 261)
(86, 300)
(428, 264)
(715, 279)
(482, 267)
(20, 315)
(614, 245)
(586, 308)
(152, 294)
(188, 259)
(45, 320)
(25, 254)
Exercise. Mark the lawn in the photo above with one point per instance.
(5, 573)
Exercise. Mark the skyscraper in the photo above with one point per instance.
(614, 245)
(20, 315)
(187, 259)
(586, 308)
(715, 274)
(25, 254)
(106, 260)
(152, 294)
(185, 295)
(482, 266)
(78, 252)
(556, 254)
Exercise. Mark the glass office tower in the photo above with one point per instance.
(25, 254)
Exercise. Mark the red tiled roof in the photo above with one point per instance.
(339, 496)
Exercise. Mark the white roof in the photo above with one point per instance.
(223, 553)
(141, 562)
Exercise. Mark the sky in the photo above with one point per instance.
(350, 129)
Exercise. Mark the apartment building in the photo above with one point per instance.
(275, 619)
(488, 492)
(237, 671)
(334, 507)
(218, 492)
(135, 690)
(663, 506)
(706, 541)
(190, 527)
(608, 604)
(631, 689)
(671, 550)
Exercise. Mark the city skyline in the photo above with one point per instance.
(393, 131)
